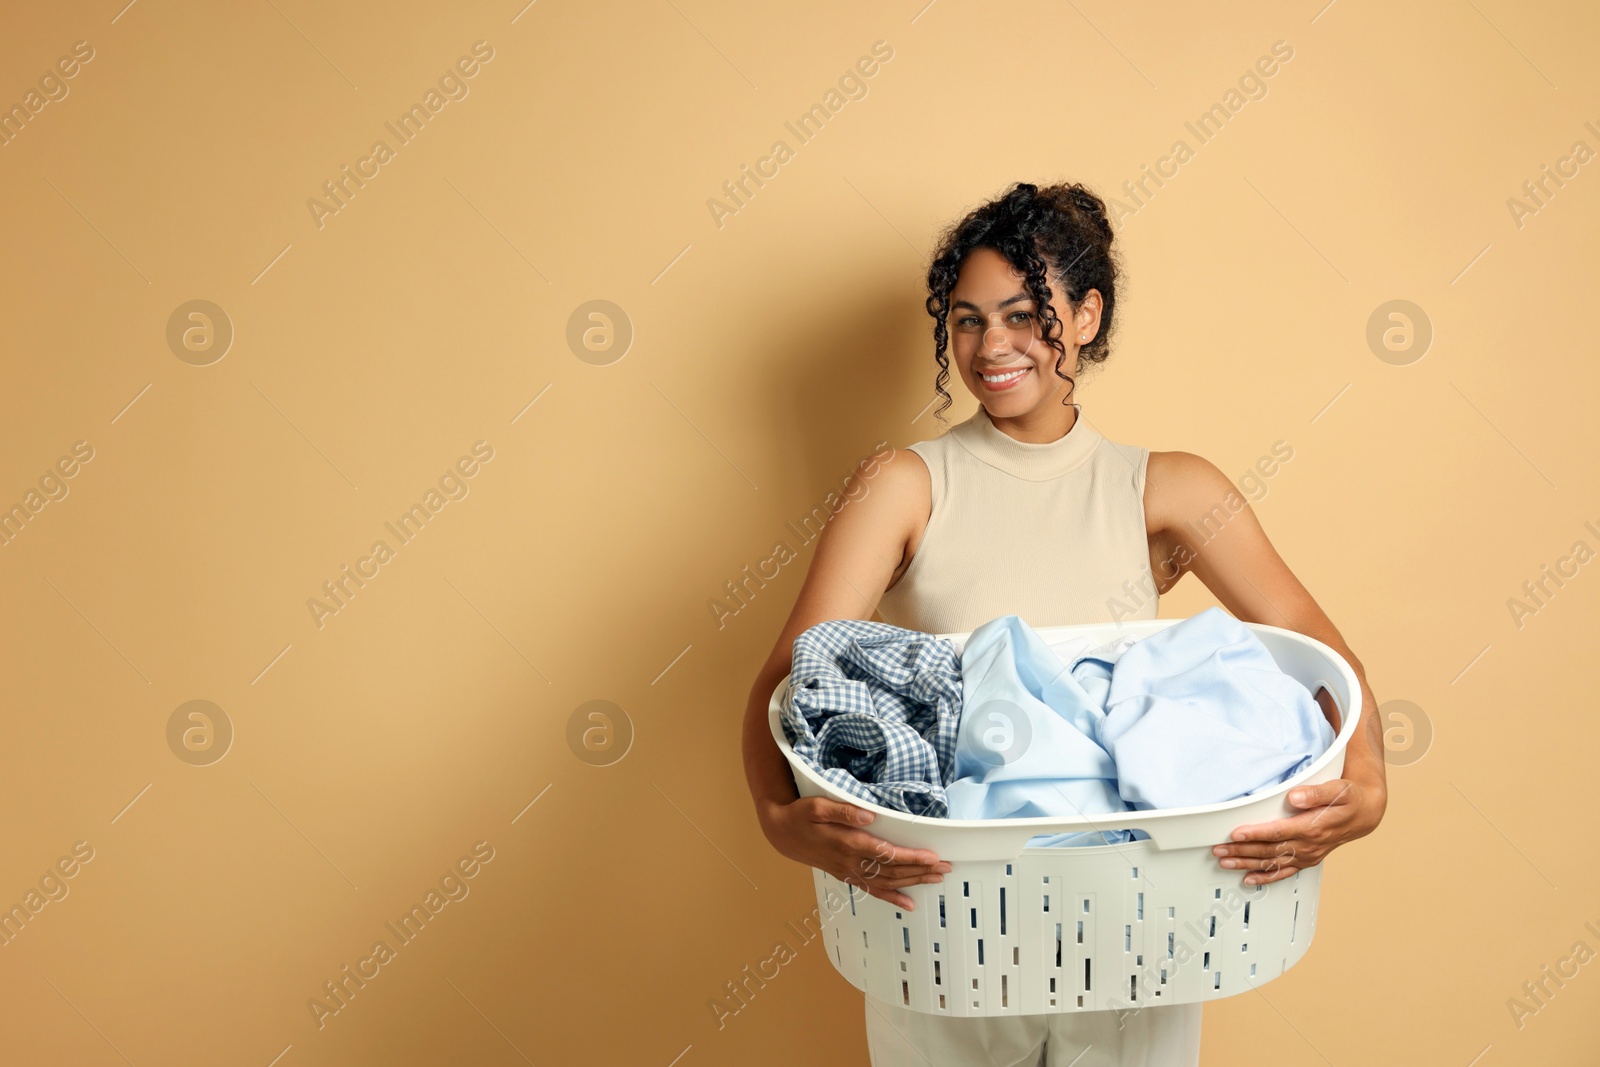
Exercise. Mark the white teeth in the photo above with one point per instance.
(1003, 377)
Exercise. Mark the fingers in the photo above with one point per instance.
(895, 897)
(881, 852)
(1308, 825)
(867, 876)
(1277, 830)
(874, 869)
(882, 888)
(1333, 791)
(884, 880)
(849, 815)
(874, 865)
(1254, 853)
(1305, 797)
(842, 814)
(890, 856)
(871, 867)
(901, 881)
(1266, 877)
(1264, 863)
(837, 811)
(890, 888)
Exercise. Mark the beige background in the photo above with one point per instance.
(769, 354)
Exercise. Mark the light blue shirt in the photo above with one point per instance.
(1200, 712)
(1196, 713)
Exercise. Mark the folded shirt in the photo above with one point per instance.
(1017, 727)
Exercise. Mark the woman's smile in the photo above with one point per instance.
(1003, 379)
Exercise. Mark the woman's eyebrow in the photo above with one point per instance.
(1007, 302)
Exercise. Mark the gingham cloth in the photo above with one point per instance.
(876, 710)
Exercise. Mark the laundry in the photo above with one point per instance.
(1017, 727)
(1028, 740)
(1199, 713)
(874, 708)
(1196, 713)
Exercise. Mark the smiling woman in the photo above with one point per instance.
(1025, 508)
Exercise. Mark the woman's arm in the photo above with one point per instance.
(858, 553)
(1199, 522)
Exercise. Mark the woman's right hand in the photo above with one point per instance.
(827, 834)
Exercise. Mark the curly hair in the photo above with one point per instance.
(1058, 231)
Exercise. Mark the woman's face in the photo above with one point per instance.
(996, 332)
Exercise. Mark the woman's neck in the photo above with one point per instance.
(1044, 424)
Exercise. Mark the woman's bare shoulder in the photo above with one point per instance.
(1174, 465)
(862, 546)
(902, 470)
(1180, 485)
(903, 486)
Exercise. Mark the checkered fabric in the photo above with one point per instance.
(876, 710)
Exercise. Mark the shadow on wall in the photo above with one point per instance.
(860, 374)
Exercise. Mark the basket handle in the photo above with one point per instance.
(1171, 828)
(1333, 694)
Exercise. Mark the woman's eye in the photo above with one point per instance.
(1015, 318)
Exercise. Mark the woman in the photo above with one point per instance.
(1024, 508)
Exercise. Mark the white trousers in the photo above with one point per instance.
(1165, 1036)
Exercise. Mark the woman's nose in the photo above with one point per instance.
(996, 340)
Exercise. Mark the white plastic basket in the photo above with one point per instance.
(1019, 930)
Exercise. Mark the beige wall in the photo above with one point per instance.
(375, 747)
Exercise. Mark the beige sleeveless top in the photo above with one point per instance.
(1053, 532)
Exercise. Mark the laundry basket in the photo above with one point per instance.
(1025, 930)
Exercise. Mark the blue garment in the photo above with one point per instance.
(1196, 713)
(1027, 744)
(1199, 713)
(874, 708)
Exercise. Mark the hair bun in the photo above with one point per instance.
(1023, 202)
(1084, 200)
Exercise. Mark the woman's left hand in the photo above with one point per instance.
(1336, 812)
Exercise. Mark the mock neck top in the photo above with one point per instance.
(1053, 532)
(1030, 460)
